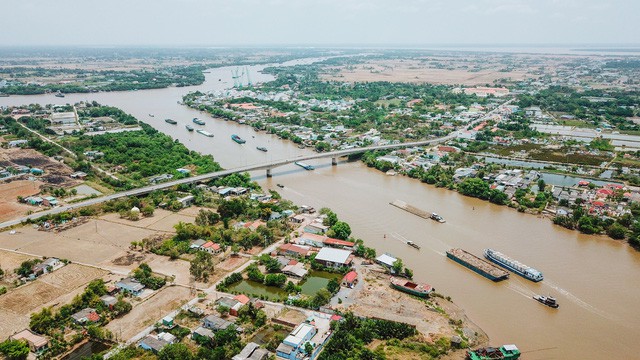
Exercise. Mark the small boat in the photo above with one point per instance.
(189, 127)
(505, 352)
(261, 148)
(59, 94)
(420, 290)
(411, 243)
(304, 165)
(437, 218)
(280, 186)
(151, 115)
(205, 133)
(4, 95)
(546, 300)
(170, 121)
(198, 121)
(238, 139)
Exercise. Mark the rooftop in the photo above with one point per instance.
(333, 255)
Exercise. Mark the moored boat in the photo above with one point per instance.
(261, 148)
(505, 352)
(189, 127)
(410, 287)
(304, 165)
(515, 266)
(238, 139)
(198, 121)
(546, 300)
(482, 267)
(437, 218)
(59, 94)
(280, 186)
(205, 133)
(170, 121)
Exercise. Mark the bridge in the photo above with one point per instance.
(334, 155)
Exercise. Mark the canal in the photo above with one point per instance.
(594, 278)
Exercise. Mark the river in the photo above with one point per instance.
(594, 278)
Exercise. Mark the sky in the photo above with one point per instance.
(318, 22)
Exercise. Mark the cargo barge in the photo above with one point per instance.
(420, 290)
(478, 265)
(515, 266)
(304, 165)
(205, 133)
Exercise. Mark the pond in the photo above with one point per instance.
(85, 350)
(315, 281)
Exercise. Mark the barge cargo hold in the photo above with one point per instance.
(420, 290)
(205, 133)
(478, 265)
(506, 262)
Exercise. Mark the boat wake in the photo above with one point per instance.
(576, 300)
(405, 240)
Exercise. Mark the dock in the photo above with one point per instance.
(478, 265)
(411, 209)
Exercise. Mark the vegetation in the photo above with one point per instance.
(201, 266)
(352, 334)
(145, 276)
(14, 349)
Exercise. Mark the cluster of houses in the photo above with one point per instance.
(18, 170)
(313, 333)
(40, 200)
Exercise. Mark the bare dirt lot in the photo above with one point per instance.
(55, 173)
(9, 206)
(378, 299)
(47, 290)
(418, 72)
(9, 261)
(149, 311)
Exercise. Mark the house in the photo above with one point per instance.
(36, 171)
(34, 200)
(296, 219)
(16, 143)
(130, 285)
(311, 239)
(533, 111)
(293, 250)
(187, 200)
(232, 304)
(109, 301)
(211, 247)
(170, 338)
(47, 266)
(167, 321)
(242, 299)
(217, 323)
(296, 270)
(338, 243)
(86, 315)
(316, 228)
(350, 279)
(50, 201)
(386, 260)
(202, 333)
(79, 175)
(197, 244)
(152, 343)
(252, 351)
(293, 344)
(331, 257)
(37, 343)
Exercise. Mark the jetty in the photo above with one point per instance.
(411, 209)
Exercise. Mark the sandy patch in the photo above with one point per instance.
(150, 311)
(10, 208)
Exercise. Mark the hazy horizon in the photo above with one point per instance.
(321, 23)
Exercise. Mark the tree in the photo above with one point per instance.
(333, 286)
(541, 185)
(201, 266)
(474, 187)
(42, 321)
(222, 310)
(617, 231)
(408, 273)
(331, 219)
(147, 210)
(207, 218)
(15, 349)
(308, 348)
(178, 351)
(397, 266)
(341, 230)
